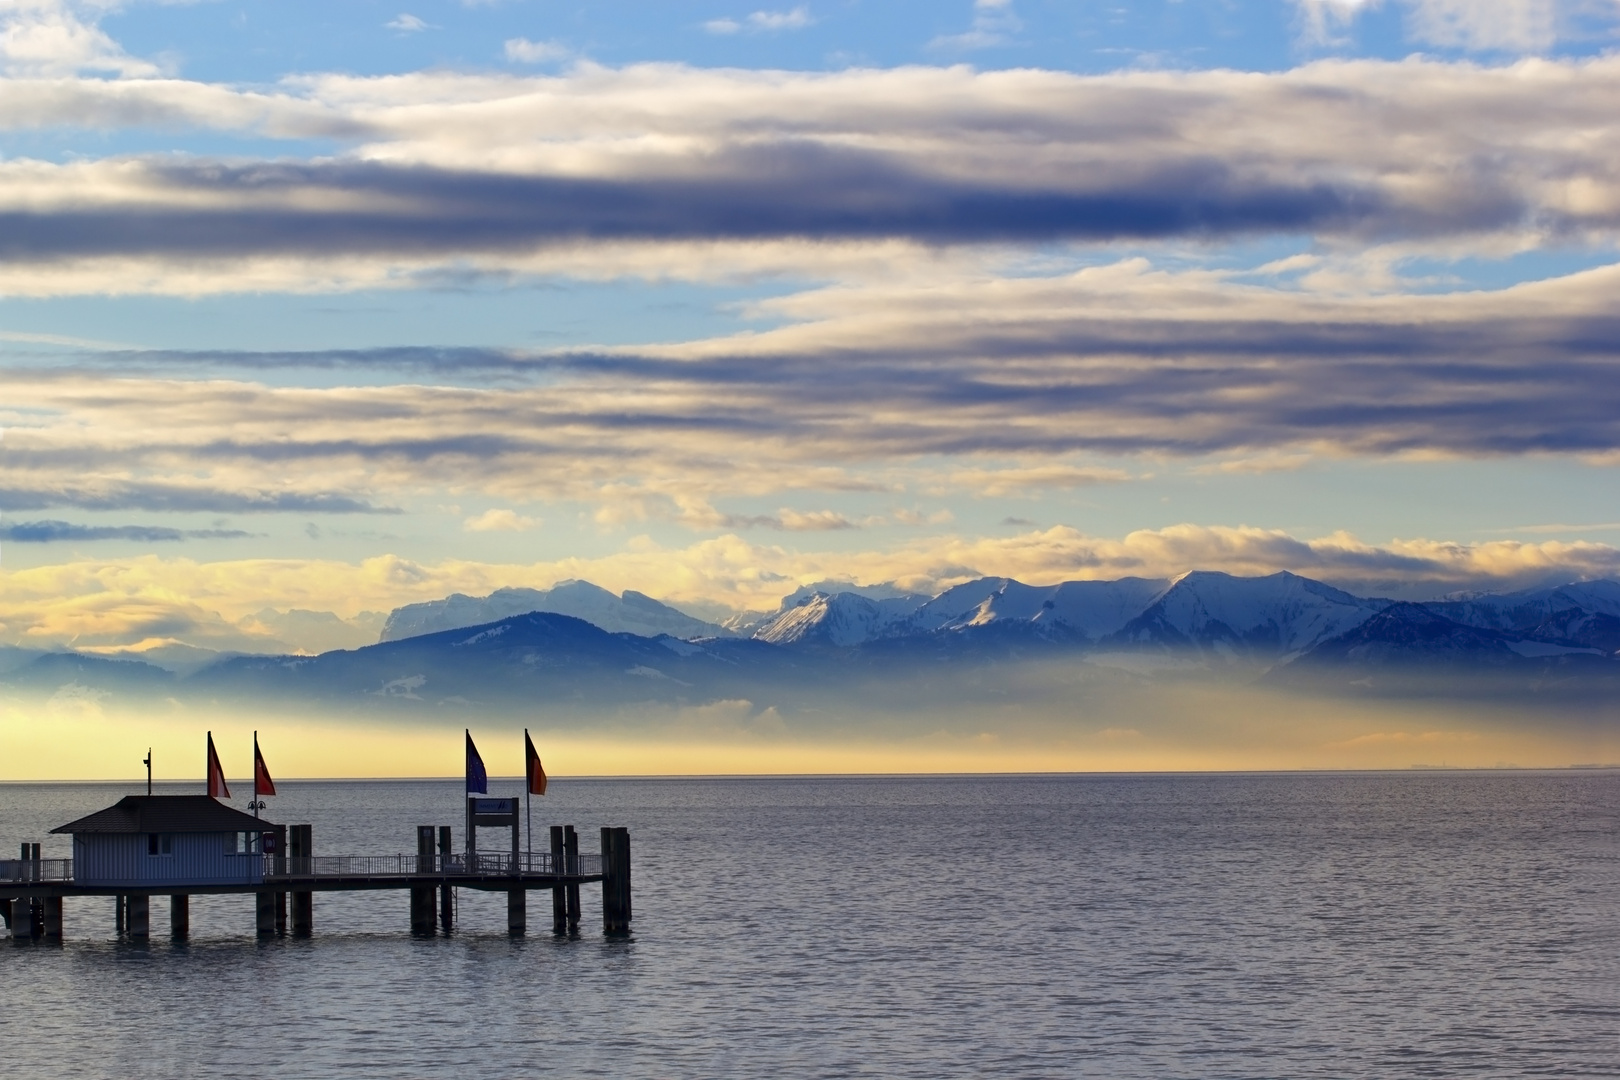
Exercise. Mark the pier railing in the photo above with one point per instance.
(459, 865)
(502, 864)
(13, 871)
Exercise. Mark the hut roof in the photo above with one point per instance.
(166, 814)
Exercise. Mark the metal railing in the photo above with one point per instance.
(16, 871)
(458, 865)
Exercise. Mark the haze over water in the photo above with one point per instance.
(1295, 925)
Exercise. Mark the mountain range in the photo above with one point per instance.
(830, 642)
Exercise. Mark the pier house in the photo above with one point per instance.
(157, 840)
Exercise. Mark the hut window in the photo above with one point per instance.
(159, 844)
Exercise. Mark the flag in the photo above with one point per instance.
(477, 778)
(216, 773)
(532, 767)
(262, 784)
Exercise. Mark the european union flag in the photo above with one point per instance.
(477, 778)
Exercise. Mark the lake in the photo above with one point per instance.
(1206, 925)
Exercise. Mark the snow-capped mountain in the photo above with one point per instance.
(1532, 607)
(843, 619)
(631, 613)
(975, 638)
(1268, 616)
(1411, 650)
(1089, 610)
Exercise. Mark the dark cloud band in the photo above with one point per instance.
(50, 532)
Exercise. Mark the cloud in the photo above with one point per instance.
(56, 38)
(500, 520)
(524, 51)
(1517, 26)
(796, 19)
(993, 22)
(1485, 25)
(998, 483)
(49, 532)
(695, 513)
(407, 24)
(163, 496)
(762, 22)
(1001, 386)
(1323, 22)
(444, 168)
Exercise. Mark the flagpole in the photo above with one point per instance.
(528, 793)
(257, 802)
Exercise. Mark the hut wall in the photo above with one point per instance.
(195, 858)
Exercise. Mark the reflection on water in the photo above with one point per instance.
(1112, 926)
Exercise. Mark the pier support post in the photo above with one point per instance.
(571, 863)
(447, 906)
(278, 864)
(53, 918)
(121, 913)
(422, 896)
(559, 901)
(615, 880)
(303, 914)
(180, 917)
(22, 918)
(302, 851)
(265, 903)
(517, 912)
(139, 909)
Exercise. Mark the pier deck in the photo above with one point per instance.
(335, 873)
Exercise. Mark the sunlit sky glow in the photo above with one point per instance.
(340, 307)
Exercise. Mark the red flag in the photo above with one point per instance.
(262, 784)
(216, 773)
(532, 767)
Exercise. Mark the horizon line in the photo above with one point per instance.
(1401, 769)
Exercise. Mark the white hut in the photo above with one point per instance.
(157, 840)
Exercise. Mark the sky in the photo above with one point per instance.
(332, 308)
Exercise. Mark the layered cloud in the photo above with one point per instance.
(438, 166)
(979, 387)
(233, 604)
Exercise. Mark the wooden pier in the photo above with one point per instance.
(275, 862)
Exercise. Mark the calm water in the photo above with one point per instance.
(1410, 925)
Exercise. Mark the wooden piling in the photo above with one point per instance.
(447, 906)
(278, 865)
(559, 899)
(422, 897)
(22, 918)
(301, 850)
(265, 903)
(517, 912)
(121, 913)
(53, 917)
(139, 916)
(180, 917)
(571, 859)
(615, 880)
